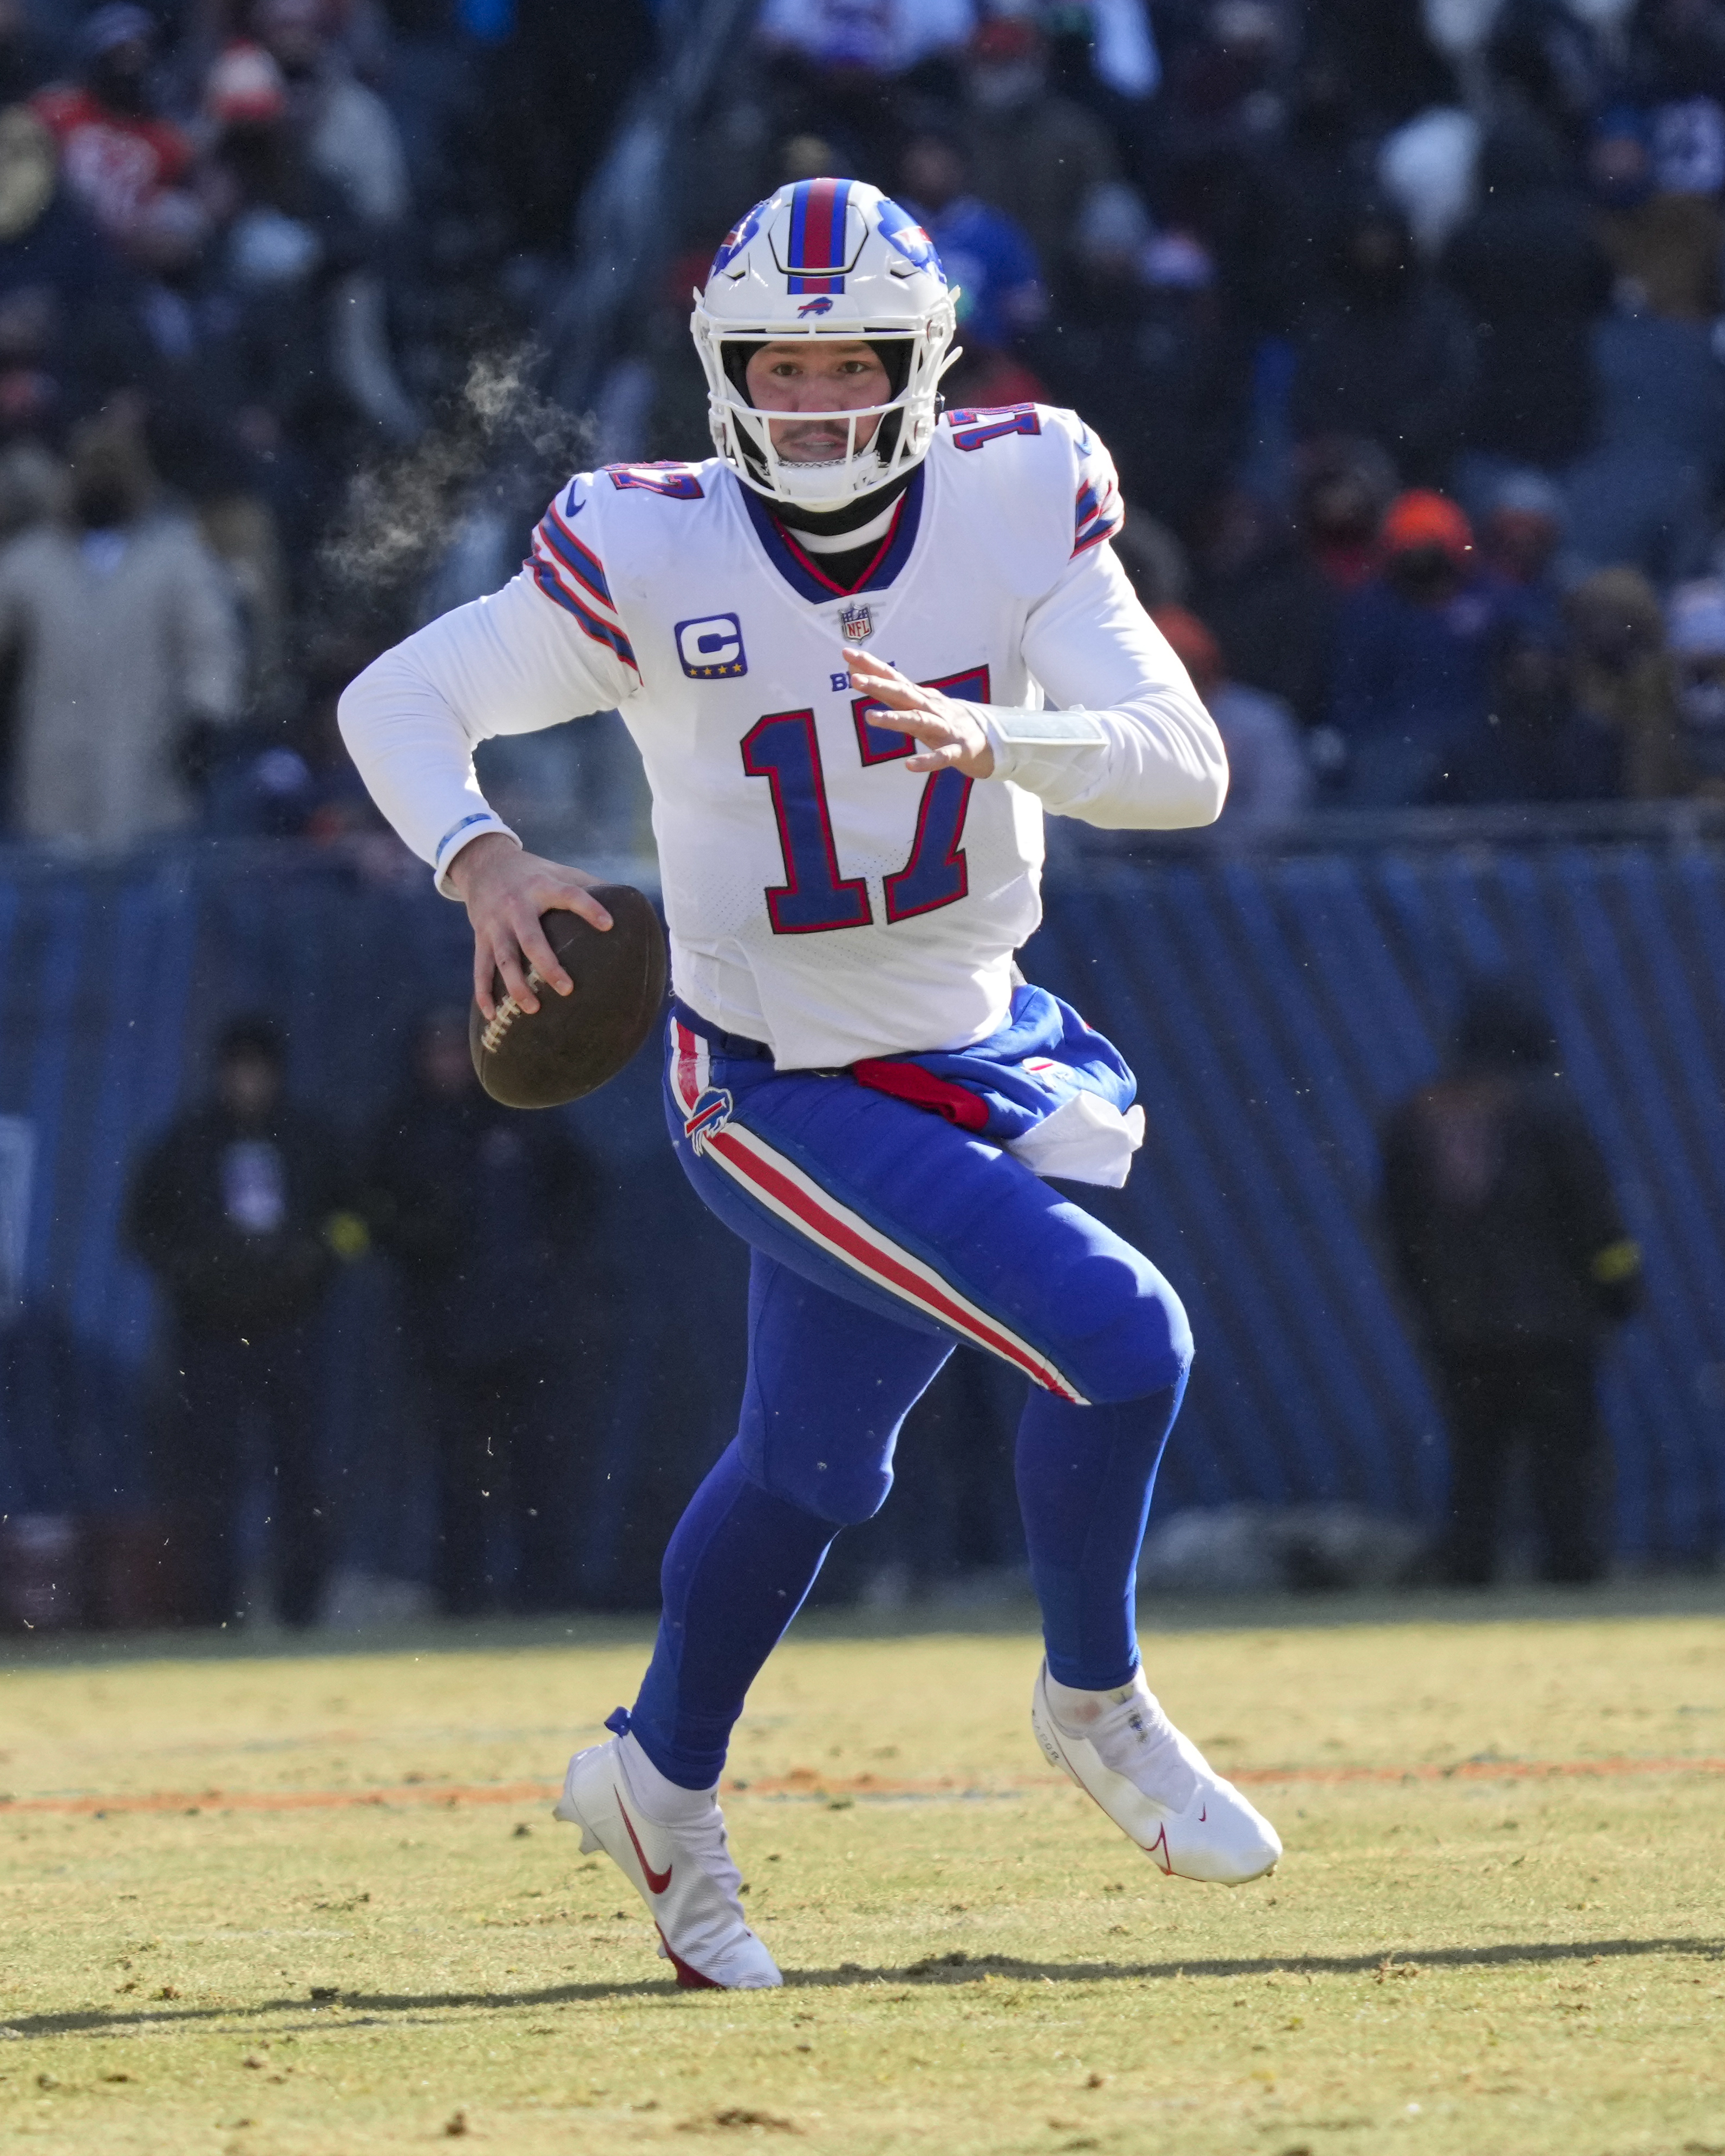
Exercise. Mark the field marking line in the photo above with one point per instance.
(804, 1782)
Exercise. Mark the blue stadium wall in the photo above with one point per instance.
(1274, 1007)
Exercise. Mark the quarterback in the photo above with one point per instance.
(861, 651)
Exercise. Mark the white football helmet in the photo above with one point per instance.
(826, 259)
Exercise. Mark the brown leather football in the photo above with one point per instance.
(573, 1044)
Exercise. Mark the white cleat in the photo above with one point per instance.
(1155, 1784)
(682, 1871)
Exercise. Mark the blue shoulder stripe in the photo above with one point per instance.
(580, 560)
(601, 632)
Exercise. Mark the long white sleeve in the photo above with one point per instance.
(510, 663)
(1160, 765)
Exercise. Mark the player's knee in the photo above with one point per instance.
(1134, 1338)
(845, 1492)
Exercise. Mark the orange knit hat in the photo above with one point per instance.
(1421, 518)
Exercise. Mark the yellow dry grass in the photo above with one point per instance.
(1492, 1961)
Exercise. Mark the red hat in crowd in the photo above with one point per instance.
(1195, 648)
(1004, 38)
(245, 88)
(1421, 519)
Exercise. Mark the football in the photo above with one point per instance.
(573, 1044)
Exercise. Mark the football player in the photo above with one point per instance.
(861, 650)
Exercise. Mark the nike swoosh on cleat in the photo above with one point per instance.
(1204, 1814)
(657, 1882)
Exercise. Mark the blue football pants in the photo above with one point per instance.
(882, 1237)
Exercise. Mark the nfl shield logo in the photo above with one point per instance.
(857, 624)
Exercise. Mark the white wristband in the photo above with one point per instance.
(458, 837)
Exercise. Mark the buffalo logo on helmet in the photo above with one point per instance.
(902, 231)
(739, 236)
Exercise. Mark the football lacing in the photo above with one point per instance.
(508, 1011)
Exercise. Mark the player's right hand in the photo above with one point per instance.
(505, 890)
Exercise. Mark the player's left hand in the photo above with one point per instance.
(951, 733)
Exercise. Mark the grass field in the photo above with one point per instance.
(315, 1905)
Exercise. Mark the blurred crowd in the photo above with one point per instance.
(247, 247)
(1403, 318)
(247, 1208)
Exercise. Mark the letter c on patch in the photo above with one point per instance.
(711, 648)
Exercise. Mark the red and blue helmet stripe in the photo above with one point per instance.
(815, 256)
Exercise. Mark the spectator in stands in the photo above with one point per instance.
(1036, 156)
(1538, 744)
(63, 327)
(1269, 784)
(1409, 682)
(24, 61)
(1549, 64)
(1385, 352)
(1508, 1245)
(1677, 51)
(1696, 632)
(881, 41)
(1662, 243)
(1145, 354)
(242, 1211)
(1534, 278)
(856, 76)
(203, 423)
(1519, 538)
(349, 134)
(1001, 294)
(1624, 680)
(1272, 586)
(1156, 563)
(1345, 487)
(1267, 601)
(1640, 495)
(129, 654)
(117, 150)
(563, 76)
(307, 219)
(1385, 52)
(483, 1209)
(1212, 167)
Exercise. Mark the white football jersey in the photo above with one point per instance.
(820, 897)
